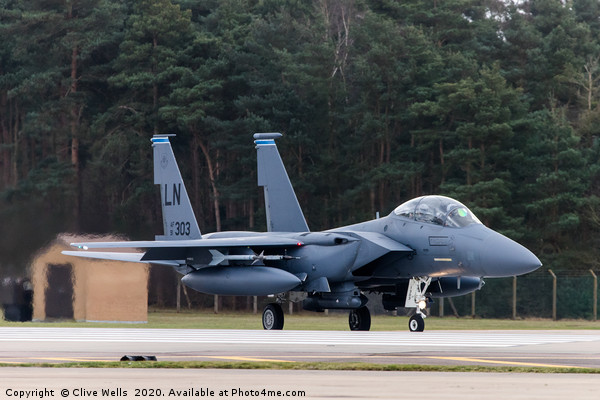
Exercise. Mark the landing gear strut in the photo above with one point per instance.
(416, 298)
(360, 319)
(272, 317)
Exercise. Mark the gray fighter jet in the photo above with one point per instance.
(429, 247)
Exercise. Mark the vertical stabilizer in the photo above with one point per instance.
(283, 211)
(179, 220)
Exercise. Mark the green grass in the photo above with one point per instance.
(313, 366)
(339, 321)
(317, 321)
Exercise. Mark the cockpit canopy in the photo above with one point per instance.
(439, 210)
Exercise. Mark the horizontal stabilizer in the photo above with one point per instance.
(129, 257)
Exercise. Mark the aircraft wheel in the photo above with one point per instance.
(272, 318)
(360, 319)
(416, 323)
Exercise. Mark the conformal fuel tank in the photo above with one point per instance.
(241, 281)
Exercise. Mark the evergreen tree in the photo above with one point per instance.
(493, 102)
(50, 97)
(556, 185)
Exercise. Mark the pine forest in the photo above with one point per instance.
(493, 102)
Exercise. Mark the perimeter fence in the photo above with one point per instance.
(543, 294)
(546, 294)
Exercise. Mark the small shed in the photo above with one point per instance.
(84, 289)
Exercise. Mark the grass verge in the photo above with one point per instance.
(315, 321)
(310, 366)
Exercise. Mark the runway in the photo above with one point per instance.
(61, 383)
(562, 349)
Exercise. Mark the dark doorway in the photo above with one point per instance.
(59, 293)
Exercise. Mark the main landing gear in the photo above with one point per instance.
(272, 317)
(359, 319)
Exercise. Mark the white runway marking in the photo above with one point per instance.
(326, 338)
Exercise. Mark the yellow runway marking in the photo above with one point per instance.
(524, 364)
(247, 359)
(69, 359)
(500, 360)
(233, 358)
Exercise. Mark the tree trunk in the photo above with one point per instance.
(196, 177)
(155, 93)
(75, 140)
(213, 184)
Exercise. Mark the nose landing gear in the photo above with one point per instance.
(416, 298)
(416, 323)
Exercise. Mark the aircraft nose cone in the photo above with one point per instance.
(502, 257)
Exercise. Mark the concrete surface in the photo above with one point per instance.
(580, 349)
(60, 383)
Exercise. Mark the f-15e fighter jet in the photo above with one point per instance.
(428, 247)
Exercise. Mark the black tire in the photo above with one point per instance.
(416, 323)
(359, 319)
(272, 317)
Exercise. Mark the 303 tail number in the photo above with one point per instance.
(180, 228)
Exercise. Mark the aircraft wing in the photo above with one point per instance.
(175, 252)
(252, 241)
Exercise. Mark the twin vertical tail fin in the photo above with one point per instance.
(283, 210)
(179, 220)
